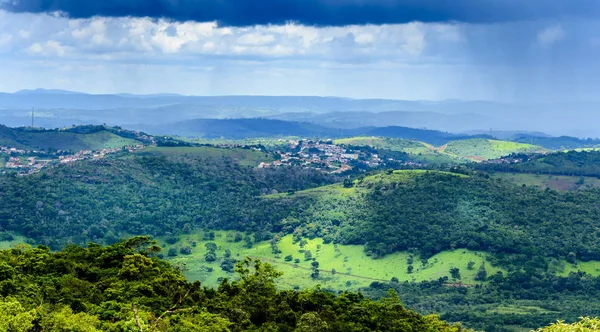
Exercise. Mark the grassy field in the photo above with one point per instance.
(419, 151)
(557, 182)
(62, 140)
(10, 244)
(243, 156)
(353, 268)
(479, 149)
(392, 144)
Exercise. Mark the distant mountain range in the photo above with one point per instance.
(55, 108)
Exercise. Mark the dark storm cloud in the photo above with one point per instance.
(317, 12)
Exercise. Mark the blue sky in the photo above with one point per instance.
(427, 50)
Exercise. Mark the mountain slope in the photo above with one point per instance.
(92, 138)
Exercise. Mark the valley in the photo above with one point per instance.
(443, 225)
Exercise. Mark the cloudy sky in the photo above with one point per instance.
(506, 50)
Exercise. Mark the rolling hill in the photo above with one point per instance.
(460, 150)
(485, 149)
(78, 138)
(532, 243)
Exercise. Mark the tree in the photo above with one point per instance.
(409, 269)
(210, 256)
(210, 246)
(315, 274)
(307, 255)
(310, 322)
(470, 265)
(227, 253)
(315, 265)
(289, 258)
(395, 280)
(481, 273)
(348, 183)
(185, 250)
(571, 257)
(333, 271)
(455, 273)
(172, 252)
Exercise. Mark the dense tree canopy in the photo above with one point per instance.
(124, 287)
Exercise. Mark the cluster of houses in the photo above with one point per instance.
(20, 161)
(323, 155)
(88, 154)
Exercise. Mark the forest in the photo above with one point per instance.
(125, 287)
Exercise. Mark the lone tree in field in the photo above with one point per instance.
(455, 273)
(481, 274)
(307, 255)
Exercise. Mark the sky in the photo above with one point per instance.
(509, 50)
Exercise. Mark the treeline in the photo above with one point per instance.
(124, 287)
(574, 163)
(520, 300)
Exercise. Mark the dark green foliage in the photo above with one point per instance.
(185, 250)
(481, 273)
(172, 252)
(110, 288)
(584, 163)
(210, 256)
(437, 211)
(93, 200)
(455, 273)
(533, 299)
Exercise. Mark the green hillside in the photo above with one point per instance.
(479, 149)
(24, 138)
(125, 287)
(353, 268)
(556, 182)
(475, 149)
(571, 163)
(418, 151)
(245, 157)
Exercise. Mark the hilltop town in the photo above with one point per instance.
(26, 162)
(327, 156)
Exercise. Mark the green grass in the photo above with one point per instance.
(419, 151)
(243, 156)
(354, 268)
(479, 149)
(11, 244)
(557, 182)
(590, 267)
(62, 140)
(392, 144)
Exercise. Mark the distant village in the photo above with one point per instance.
(326, 156)
(27, 162)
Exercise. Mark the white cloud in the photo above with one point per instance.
(49, 48)
(550, 35)
(116, 37)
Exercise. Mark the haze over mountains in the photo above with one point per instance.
(165, 113)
